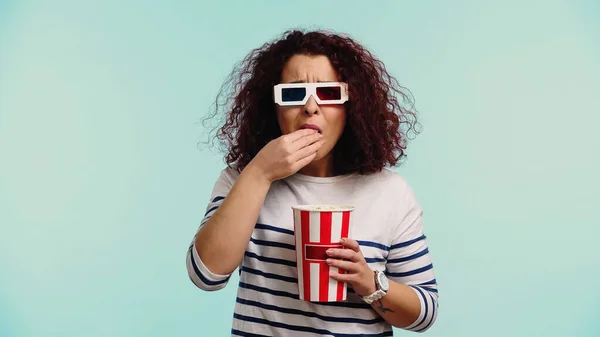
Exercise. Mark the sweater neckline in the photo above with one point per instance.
(321, 180)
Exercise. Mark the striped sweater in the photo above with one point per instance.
(386, 223)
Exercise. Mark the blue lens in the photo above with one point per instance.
(293, 94)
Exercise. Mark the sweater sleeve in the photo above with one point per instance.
(198, 273)
(409, 261)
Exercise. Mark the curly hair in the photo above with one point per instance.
(377, 126)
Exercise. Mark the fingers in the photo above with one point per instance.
(305, 155)
(352, 267)
(344, 265)
(306, 141)
(352, 244)
(347, 254)
(310, 149)
(298, 134)
(344, 277)
(304, 161)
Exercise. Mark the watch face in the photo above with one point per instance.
(383, 281)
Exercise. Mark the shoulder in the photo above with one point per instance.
(230, 172)
(392, 187)
(386, 180)
(227, 176)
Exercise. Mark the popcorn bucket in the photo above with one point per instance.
(316, 229)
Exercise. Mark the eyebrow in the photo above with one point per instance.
(303, 81)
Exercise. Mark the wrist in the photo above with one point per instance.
(257, 174)
(371, 286)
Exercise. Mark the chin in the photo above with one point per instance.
(320, 155)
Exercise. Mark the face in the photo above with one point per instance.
(330, 119)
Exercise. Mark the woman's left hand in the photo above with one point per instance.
(357, 272)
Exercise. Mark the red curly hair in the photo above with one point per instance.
(377, 126)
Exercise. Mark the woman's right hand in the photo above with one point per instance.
(287, 154)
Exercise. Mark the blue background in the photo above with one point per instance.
(102, 184)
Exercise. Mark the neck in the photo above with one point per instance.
(319, 168)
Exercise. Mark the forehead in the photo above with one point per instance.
(308, 68)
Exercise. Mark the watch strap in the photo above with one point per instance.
(379, 293)
(374, 296)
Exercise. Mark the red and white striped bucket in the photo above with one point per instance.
(316, 229)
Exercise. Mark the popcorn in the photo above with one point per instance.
(323, 208)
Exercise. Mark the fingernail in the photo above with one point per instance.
(329, 252)
(328, 261)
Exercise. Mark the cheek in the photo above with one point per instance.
(285, 120)
(337, 119)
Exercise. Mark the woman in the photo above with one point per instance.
(315, 120)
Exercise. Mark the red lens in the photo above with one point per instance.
(329, 93)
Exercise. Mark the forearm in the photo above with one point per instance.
(400, 306)
(222, 240)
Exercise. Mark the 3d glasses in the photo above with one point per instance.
(286, 94)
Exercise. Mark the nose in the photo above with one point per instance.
(311, 107)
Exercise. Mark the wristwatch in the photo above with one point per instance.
(382, 284)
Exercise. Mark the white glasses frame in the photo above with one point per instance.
(311, 90)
